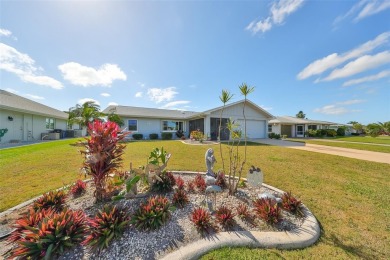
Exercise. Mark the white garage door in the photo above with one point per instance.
(254, 128)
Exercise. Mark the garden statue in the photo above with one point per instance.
(255, 177)
(210, 160)
(214, 189)
(266, 195)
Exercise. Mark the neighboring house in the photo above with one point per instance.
(156, 121)
(348, 128)
(295, 127)
(27, 120)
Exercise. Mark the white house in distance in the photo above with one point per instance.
(156, 121)
(27, 120)
(295, 127)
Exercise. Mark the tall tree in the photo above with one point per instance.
(300, 114)
(84, 114)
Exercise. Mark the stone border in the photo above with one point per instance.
(306, 235)
(199, 143)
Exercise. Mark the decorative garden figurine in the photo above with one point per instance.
(210, 160)
(255, 177)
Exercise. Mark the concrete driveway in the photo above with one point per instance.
(346, 152)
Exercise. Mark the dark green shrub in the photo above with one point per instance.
(108, 223)
(271, 135)
(355, 134)
(311, 133)
(341, 131)
(153, 136)
(138, 136)
(277, 136)
(166, 136)
(331, 133)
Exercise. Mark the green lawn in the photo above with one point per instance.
(349, 197)
(365, 139)
(358, 146)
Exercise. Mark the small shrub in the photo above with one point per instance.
(268, 210)
(202, 220)
(225, 217)
(311, 133)
(331, 133)
(167, 183)
(152, 214)
(52, 199)
(51, 235)
(355, 134)
(180, 198)
(190, 186)
(274, 136)
(179, 183)
(221, 180)
(243, 211)
(197, 135)
(179, 133)
(291, 204)
(153, 136)
(341, 131)
(78, 188)
(166, 136)
(138, 136)
(200, 183)
(107, 224)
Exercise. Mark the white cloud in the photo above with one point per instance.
(333, 60)
(105, 94)
(34, 97)
(363, 9)
(361, 64)
(159, 95)
(112, 104)
(380, 75)
(338, 108)
(141, 84)
(24, 67)
(83, 100)
(138, 94)
(80, 75)
(5, 32)
(176, 103)
(278, 13)
(351, 102)
(12, 90)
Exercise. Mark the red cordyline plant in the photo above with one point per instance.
(52, 199)
(51, 235)
(291, 204)
(108, 223)
(225, 217)
(78, 188)
(268, 210)
(103, 154)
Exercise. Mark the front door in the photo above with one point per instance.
(300, 131)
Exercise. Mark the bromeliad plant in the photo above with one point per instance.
(291, 204)
(152, 214)
(202, 220)
(221, 180)
(268, 210)
(51, 235)
(180, 198)
(165, 182)
(78, 188)
(200, 183)
(180, 183)
(108, 223)
(243, 211)
(191, 186)
(52, 199)
(103, 154)
(225, 217)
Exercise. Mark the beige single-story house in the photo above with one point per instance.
(295, 127)
(27, 120)
(148, 121)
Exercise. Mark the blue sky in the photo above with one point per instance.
(330, 59)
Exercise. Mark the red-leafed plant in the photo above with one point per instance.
(180, 183)
(166, 182)
(103, 154)
(221, 181)
(78, 188)
(30, 219)
(190, 186)
(107, 224)
(225, 217)
(243, 211)
(202, 220)
(291, 204)
(268, 210)
(200, 183)
(180, 198)
(152, 214)
(52, 199)
(51, 235)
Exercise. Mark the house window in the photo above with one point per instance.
(269, 128)
(171, 126)
(312, 127)
(133, 125)
(50, 123)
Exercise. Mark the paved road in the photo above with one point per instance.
(346, 152)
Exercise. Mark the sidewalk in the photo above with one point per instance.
(346, 152)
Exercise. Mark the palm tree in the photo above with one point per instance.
(225, 97)
(84, 114)
(300, 114)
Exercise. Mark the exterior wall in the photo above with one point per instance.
(25, 127)
(276, 128)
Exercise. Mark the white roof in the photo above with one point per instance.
(296, 120)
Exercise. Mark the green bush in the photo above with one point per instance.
(166, 136)
(311, 133)
(138, 136)
(331, 133)
(274, 136)
(341, 131)
(153, 136)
